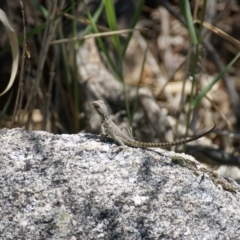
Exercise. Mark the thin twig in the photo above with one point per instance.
(48, 33)
(21, 84)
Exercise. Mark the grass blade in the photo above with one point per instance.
(133, 24)
(211, 84)
(185, 7)
(112, 22)
(14, 47)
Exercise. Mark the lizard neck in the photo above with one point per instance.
(104, 119)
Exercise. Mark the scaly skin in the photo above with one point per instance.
(110, 129)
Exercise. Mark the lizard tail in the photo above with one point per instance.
(170, 144)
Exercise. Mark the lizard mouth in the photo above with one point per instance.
(95, 106)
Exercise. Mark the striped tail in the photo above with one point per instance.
(167, 144)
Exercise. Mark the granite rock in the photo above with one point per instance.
(75, 187)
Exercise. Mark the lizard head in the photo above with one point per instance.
(101, 109)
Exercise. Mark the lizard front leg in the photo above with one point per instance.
(103, 133)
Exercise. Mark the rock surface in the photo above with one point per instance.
(73, 187)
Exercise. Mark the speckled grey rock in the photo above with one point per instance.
(73, 187)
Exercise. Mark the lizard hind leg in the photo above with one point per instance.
(128, 132)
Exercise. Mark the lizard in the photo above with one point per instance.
(110, 129)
